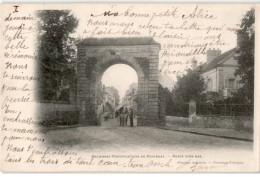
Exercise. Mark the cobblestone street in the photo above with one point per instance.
(111, 136)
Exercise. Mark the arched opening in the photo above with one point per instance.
(119, 89)
(95, 56)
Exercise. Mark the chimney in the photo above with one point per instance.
(212, 53)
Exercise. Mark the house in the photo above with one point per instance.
(129, 100)
(219, 72)
(109, 99)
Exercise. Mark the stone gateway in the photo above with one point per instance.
(95, 55)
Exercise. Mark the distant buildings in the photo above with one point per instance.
(129, 100)
(108, 99)
(219, 72)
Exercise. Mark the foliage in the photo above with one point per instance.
(165, 97)
(210, 97)
(189, 87)
(245, 57)
(55, 50)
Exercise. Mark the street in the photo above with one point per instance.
(111, 136)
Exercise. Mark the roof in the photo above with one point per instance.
(216, 62)
(119, 41)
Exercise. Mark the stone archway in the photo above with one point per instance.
(96, 55)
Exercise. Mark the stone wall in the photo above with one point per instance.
(57, 113)
(94, 59)
(225, 122)
(228, 122)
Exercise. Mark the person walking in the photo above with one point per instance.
(126, 116)
(121, 116)
(131, 117)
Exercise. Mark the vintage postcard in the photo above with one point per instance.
(129, 87)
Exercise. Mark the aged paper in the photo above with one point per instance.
(61, 110)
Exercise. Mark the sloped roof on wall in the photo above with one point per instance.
(118, 41)
(217, 61)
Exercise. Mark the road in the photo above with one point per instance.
(111, 136)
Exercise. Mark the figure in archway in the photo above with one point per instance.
(131, 117)
(125, 115)
(121, 116)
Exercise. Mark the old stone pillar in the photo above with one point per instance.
(192, 111)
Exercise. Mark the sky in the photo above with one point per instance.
(121, 76)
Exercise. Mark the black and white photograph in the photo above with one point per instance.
(129, 87)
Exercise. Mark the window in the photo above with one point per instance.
(209, 84)
(231, 83)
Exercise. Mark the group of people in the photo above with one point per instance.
(123, 114)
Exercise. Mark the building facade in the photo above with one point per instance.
(129, 100)
(219, 72)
